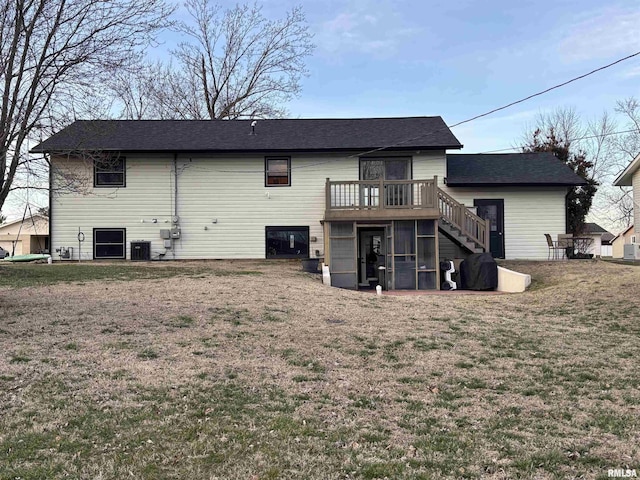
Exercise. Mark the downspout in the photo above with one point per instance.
(175, 184)
(175, 199)
(51, 250)
(566, 211)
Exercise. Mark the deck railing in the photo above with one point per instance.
(406, 194)
(460, 217)
(381, 194)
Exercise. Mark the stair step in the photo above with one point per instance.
(457, 236)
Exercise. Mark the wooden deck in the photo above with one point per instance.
(380, 200)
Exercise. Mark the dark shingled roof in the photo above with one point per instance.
(607, 238)
(509, 169)
(235, 135)
(592, 228)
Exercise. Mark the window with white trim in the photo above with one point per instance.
(109, 243)
(277, 172)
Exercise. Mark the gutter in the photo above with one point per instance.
(499, 184)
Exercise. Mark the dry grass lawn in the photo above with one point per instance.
(254, 370)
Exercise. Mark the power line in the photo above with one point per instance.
(601, 135)
(548, 89)
(448, 127)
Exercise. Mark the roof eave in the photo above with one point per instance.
(625, 179)
(59, 151)
(19, 220)
(513, 184)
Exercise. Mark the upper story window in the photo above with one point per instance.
(277, 172)
(109, 172)
(386, 168)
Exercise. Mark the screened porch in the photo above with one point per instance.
(407, 256)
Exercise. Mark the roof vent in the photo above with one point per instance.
(253, 127)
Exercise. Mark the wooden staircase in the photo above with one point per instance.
(461, 225)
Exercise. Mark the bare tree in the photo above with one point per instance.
(629, 142)
(561, 132)
(563, 121)
(158, 91)
(54, 57)
(606, 150)
(233, 64)
(620, 199)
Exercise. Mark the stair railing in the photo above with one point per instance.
(460, 217)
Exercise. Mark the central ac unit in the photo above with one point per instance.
(140, 250)
(632, 251)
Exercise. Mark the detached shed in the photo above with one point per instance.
(600, 236)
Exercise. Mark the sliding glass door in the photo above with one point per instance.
(391, 168)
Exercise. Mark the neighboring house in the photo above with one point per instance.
(362, 193)
(21, 238)
(624, 237)
(596, 233)
(630, 177)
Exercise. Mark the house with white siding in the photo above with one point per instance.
(630, 177)
(360, 193)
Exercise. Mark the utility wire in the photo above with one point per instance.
(620, 60)
(600, 135)
(471, 119)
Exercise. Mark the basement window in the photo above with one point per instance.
(109, 172)
(287, 242)
(109, 243)
(277, 172)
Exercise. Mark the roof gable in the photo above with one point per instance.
(591, 227)
(238, 135)
(509, 169)
(623, 233)
(607, 238)
(40, 220)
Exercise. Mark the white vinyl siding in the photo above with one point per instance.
(427, 165)
(596, 245)
(147, 196)
(232, 193)
(529, 213)
(228, 190)
(224, 206)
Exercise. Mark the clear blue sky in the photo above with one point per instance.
(459, 58)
